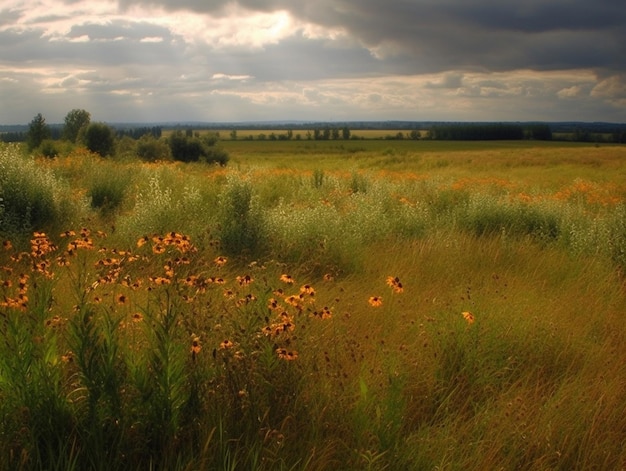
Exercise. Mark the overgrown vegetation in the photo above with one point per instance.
(388, 308)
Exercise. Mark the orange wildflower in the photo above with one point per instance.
(468, 316)
(286, 279)
(285, 354)
(195, 344)
(220, 261)
(375, 301)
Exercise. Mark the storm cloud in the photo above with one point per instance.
(342, 59)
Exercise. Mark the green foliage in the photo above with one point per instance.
(151, 149)
(49, 149)
(75, 122)
(189, 148)
(240, 219)
(38, 131)
(487, 215)
(31, 198)
(163, 204)
(100, 138)
(107, 188)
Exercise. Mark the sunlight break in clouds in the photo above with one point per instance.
(166, 60)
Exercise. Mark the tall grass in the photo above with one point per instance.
(31, 198)
(338, 319)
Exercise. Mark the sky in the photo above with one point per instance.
(323, 60)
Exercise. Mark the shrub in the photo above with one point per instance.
(31, 197)
(151, 149)
(100, 138)
(240, 218)
(186, 148)
(107, 188)
(48, 148)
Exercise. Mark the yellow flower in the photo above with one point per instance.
(375, 301)
(226, 344)
(286, 279)
(141, 242)
(468, 316)
(121, 299)
(220, 261)
(195, 344)
(325, 313)
(307, 289)
(244, 280)
(394, 282)
(285, 354)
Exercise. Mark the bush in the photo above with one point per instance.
(240, 218)
(107, 188)
(150, 149)
(48, 148)
(100, 138)
(186, 148)
(31, 198)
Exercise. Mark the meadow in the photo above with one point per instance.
(357, 305)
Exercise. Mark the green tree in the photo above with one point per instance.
(345, 132)
(75, 120)
(100, 138)
(151, 149)
(38, 131)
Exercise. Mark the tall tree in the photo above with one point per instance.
(100, 138)
(38, 130)
(75, 120)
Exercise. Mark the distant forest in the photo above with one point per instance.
(571, 131)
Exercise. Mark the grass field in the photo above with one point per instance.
(357, 305)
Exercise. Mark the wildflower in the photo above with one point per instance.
(325, 313)
(137, 317)
(68, 357)
(191, 280)
(62, 261)
(121, 299)
(220, 261)
(328, 277)
(158, 249)
(229, 293)
(394, 282)
(287, 279)
(160, 280)
(293, 300)
(375, 301)
(7, 245)
(285, 354)
(141, 242)
(195, 344)
(68, 233)
(272, 304)
(307, 289)
(468, 316)
(226, 344)
(244, 280)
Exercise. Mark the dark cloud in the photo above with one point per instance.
(440, 34)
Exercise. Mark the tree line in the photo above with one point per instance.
(146, 142)
(489, 131)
